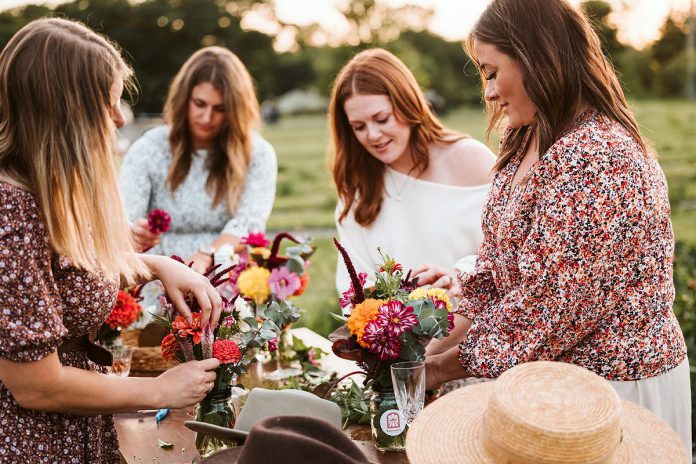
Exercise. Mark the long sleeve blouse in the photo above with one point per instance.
(195, 222)
(576, 262)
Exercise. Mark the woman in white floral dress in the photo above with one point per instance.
(206, 167)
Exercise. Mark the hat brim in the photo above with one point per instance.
(228, 456)
(448, 432)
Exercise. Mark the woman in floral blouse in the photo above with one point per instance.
(576, 262)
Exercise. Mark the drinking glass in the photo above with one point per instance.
(408, 379)
(122, 360)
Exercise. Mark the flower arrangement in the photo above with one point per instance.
(125, 312)
(262, 274)
(231, 342)
(389, 322)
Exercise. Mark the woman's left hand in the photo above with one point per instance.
(439, 277)
(178, 280)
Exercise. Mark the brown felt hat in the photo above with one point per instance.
(541, 412)
(292, 440)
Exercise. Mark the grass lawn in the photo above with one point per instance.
(306, 199)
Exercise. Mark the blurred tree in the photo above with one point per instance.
(598, 11)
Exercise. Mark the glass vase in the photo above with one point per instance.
(217, 409)
(279, 358)
(388, 424)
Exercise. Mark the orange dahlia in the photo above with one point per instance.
(361, 315)
(169, 347)
(125, 311)
(183, 328)
(227, 351)
(304, 281)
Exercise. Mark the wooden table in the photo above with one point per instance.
(138, 433)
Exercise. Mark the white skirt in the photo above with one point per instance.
(667, 395)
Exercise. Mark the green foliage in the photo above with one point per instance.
(354, 402)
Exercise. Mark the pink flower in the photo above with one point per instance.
(158, 221)
(450, 319)
(312, 357)
(396, 318)
(283, 282)
(255, 239)
(382, 342)
(347, 298)
(272, 344)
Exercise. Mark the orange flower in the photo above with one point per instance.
(169, 347)
(304, 281)
(361, 315)
(125, 311)
(183, 328)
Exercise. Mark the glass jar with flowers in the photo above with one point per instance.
(388, 322)
(232, 342)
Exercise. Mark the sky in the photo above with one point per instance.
(638, 21)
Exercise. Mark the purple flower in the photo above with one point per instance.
(347, 298)
(382, 342)
(283, 282)
(396, 318)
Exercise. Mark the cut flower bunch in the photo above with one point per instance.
(391, 321)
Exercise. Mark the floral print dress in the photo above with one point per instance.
(576, 262)
(43, 298)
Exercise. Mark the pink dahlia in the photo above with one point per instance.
(347, 298)
(396, 318)
(227, 351)
(158, 221)
(383, 343)
(255, 239)
(283, 282)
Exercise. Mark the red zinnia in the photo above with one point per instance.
(183, 328)
(227, 351)
(158, 221)
(125, 311)
(169, 347)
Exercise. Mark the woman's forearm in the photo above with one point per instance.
(461, 327)
(443, 367)
(47, 385)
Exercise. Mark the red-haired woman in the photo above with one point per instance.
(405, 183)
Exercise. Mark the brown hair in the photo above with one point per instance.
(563, 69)
(229, 161)
(57, 139)
(359, 177)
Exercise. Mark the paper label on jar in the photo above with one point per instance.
(392, 422)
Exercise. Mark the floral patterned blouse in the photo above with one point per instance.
(43, 298)
(576, 262)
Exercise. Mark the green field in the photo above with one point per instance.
(306, 199)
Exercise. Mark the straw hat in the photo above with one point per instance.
(541, 412)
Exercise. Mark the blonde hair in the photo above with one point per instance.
(56, 136)
(231, 155)
(359, 177)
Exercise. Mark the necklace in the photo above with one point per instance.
(399, 191)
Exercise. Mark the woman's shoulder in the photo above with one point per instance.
(153, 143)
(261, 145)
(20, 214)
(469, 159)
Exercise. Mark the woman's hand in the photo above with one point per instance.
(178, 280)
(432, 373)
(439, 277)
(187, 384)
(201, 261)
(141, 235)
(441, 368)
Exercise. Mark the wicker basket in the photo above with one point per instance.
(147, 360)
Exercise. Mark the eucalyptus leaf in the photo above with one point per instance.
(295, 264)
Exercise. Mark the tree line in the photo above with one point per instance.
(158, 35)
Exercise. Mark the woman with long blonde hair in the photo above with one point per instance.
(207, 166)
(65, 242)
(405, 183)
(576, 261)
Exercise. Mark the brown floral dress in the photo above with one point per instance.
(576, 262)
(42, 299)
